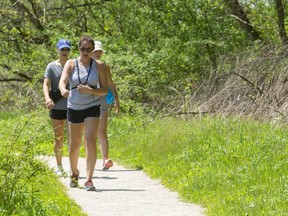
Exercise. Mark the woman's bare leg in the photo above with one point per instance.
(58, 129)
(75, 132)
(91, 125)
(102, 135)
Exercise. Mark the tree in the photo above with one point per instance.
(178, 41)
(281, 21)
(240, 15)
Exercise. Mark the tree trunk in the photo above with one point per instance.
(281, 21)
(239, 13)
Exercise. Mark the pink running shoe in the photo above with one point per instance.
(108, 164)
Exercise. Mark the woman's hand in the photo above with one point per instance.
(86, 89)
(49, 104)
(117, 105)
(65, 93)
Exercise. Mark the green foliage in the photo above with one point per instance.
(27, 186)
(152, 46)
(230, 166)
(262, 14)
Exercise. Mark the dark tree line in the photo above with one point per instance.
(177, 41)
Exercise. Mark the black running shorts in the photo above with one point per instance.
(58, 114)
(78, 116)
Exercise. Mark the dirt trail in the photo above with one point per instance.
(128, 192)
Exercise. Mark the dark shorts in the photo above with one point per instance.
(78, 116)
(58, 114)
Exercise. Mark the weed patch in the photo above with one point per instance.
(27, 186)
(231, 166)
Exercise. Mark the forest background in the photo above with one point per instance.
(170, 58)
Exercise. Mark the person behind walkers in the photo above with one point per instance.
(102, 129)
(87, 83)
(58, 110)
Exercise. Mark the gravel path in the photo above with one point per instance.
(121, 191)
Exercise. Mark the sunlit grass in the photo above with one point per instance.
(27, 186)
(231, 166)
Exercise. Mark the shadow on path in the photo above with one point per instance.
(125, 192)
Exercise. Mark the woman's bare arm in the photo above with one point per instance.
(112, 86)
(65, 78)
(46, 86)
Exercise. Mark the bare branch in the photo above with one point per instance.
(249, 82)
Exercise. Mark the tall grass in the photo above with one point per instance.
(230, 166)
(27, 186)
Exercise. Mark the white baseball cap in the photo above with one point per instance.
(98, 46)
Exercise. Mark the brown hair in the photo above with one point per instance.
(86, 38)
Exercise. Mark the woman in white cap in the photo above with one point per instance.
(102, 130)
(58, 107)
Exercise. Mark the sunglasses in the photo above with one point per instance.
(83, 49)
(65, 49)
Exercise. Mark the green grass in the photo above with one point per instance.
(230, 166)
(27, 186)
(33, 189)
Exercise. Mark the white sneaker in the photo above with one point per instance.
(59, 171)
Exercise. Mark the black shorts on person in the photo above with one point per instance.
(58, 114)
(78, 116)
